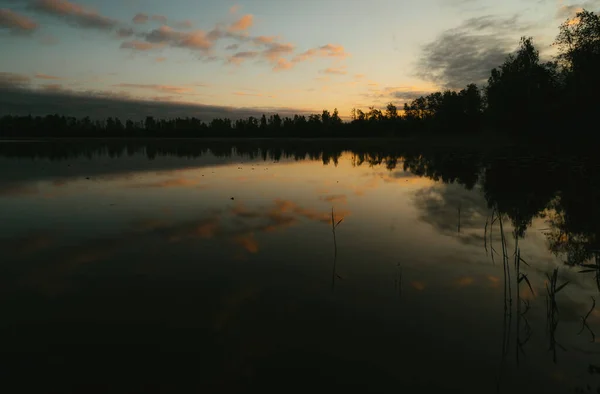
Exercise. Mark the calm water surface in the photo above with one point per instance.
(215, 269)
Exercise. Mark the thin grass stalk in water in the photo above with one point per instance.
(333, 227)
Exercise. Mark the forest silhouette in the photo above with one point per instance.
(523, 97)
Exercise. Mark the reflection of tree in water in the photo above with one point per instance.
(522, 185)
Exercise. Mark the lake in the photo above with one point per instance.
(182, 266)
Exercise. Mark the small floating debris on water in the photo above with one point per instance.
(87, 177)
(232, 198)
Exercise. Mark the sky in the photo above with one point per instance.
(213, 58)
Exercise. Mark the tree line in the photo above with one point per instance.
(523, 95)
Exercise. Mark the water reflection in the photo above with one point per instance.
(226, 252)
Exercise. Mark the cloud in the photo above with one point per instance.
(125, 32)
(568, 11)
(16, 23)
(13, 80)
(140, 19)
(329, 50)
(186, 24)
(241, 57)
(244, 23)
(234, 9)
(274, 50)
(52, 87)
(467, 53)
(16, 98)
(49, 39)
(283, 64)
(46, 76)
(74, 14)
(160, 59)
(401, 94)
(335, 71)
(232, 47)
(160, 19)
(158, 88)
(140, 45)
(196, 40)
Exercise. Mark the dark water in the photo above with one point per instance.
(184, 267)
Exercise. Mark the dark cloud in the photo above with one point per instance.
(16, 99)
(16, 23)
(466, 54)
(74, 14)
(12, 80)
(140, 19)
(125, 32)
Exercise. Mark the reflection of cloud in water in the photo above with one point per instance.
(242, 231)
(340, 198)
(438, 205)
(465, 281)
(418, 285)
(17, 190)
(168, 183)
(247, 242)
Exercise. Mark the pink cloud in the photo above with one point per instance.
(160, 59)
(74, 14)
(244, 23)
(234, 9)
(16, 23)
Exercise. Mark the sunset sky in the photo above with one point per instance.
(258, 55)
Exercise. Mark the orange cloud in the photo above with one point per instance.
(335, 71)
(244, 23)
(264, 39)
(16, 23)
(160, 59)
(283, 64)
(329, 50)
(234, 9)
